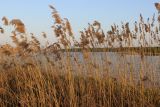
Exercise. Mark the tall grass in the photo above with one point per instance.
(32, 75)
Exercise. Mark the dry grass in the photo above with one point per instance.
(34, 76)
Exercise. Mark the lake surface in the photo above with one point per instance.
(111, 59)
(105, 63)
(118, 63)
(152, 63)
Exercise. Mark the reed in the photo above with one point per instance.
(59, 75)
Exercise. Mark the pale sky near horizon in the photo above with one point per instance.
(37, 16)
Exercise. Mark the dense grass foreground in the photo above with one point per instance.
(32, 87)
(32, 74)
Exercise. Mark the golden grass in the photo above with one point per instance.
(34, 76)
(32, 87)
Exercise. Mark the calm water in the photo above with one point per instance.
(113, 63)
(117, 62)
(148, 63)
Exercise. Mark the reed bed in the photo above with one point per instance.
(98, 70)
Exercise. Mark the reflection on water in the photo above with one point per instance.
(106, 63)
(116, 63)
(148, 63)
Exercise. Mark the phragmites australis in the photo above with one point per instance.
(157, 5)
(5, 21)
(1, 30)
(55, 15)
(159, 18)
(44, 34)
(19, 25)
(68, 27)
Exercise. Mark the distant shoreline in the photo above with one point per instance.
(154, 51)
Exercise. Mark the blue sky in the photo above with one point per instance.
(37, 16)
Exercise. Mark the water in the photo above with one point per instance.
(147, 64)
(116, 63)
(105, 62)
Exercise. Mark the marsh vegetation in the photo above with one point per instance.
(120, 67)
